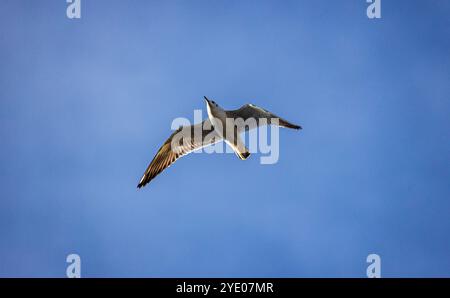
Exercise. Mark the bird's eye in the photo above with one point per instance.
(213, 102)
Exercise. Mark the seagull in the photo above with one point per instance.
(209, 132)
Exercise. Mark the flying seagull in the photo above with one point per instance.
(209, 132)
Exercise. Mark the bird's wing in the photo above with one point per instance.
(249, 111)
(183, 141)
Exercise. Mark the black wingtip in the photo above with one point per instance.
(293, 126)
(286, 124)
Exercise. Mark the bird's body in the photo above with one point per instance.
(221, 125)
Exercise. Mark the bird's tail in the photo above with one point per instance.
(239, 148)
(242, 155)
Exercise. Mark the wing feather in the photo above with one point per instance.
(186, 142)
(251, 111)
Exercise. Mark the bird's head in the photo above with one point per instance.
(213, 108)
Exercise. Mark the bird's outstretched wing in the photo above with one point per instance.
(183, 141)
(251, 111)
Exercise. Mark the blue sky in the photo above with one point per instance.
(85, 104)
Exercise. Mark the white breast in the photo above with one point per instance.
(219, 125)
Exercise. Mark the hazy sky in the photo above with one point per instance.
(85, 104)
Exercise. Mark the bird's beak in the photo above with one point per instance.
(207, 100)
